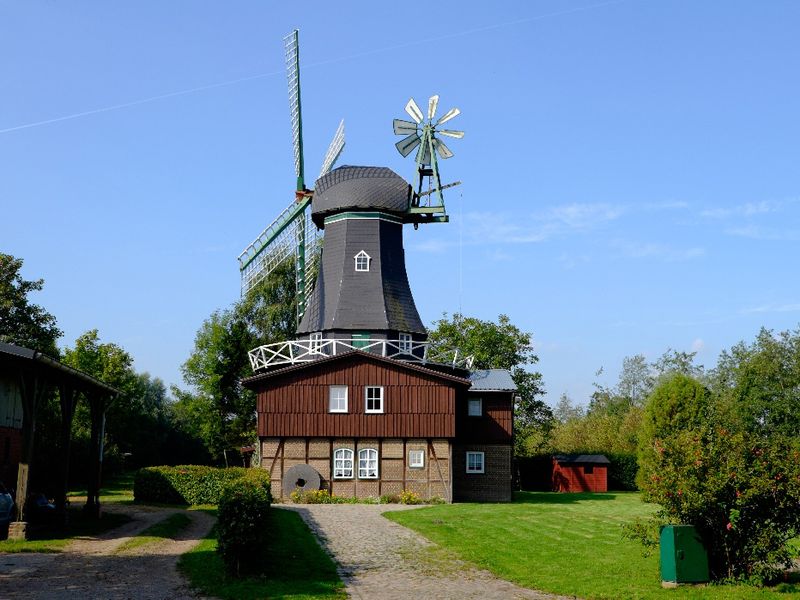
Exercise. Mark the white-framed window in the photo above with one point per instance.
(337, 399)
(373, 398)
(368, 463)
(315, 344)
(362, 261)
(343, 463)
(416, 459)
(405, 342)
(474, 462)
(475, 407)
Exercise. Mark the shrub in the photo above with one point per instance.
(707, 468)
(242, 526)
(409, 497)
(622, 470)
(190, 484)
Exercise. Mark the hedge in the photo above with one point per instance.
(242, 526)
(191, 484)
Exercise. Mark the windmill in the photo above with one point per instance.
(421, 133)
(292, 233)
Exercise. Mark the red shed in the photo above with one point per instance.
(580, 473)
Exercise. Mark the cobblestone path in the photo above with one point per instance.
(380, 559)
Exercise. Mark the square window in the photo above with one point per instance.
(474, 462)
(475, 407)
(588, 469)
(405, 343)
(337, 399)
(416, 459)
(374, 399)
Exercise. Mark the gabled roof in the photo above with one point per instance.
(591, 459)
(356, 354)
(492, 380)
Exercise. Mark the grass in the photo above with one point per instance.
(80, 525)
(118, 489)
(568, 544)
(166, 529)
(296, 566)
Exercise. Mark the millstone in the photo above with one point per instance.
(304, 477)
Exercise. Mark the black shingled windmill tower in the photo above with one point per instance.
(361, 299)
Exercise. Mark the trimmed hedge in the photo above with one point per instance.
(191, 484)
(242, 526)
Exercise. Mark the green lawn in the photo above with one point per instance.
(166, 529)
(80, 525)
(569, 544)
(296, 566)
(117, 489)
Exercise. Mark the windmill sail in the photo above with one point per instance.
(292, 46)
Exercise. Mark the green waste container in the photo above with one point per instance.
(683, 557)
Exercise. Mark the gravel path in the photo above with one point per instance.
(380, 559)
(90, 568)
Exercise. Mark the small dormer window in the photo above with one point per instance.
(362, 261)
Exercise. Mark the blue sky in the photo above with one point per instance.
(630, 168)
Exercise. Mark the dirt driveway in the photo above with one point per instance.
(91, 569)
(379, 559)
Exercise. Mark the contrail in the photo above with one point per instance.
(307, 66)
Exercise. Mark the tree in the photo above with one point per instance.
(707, 464)
(219, 409)
(501, 345)
(22, 322)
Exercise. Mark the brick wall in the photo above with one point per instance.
(10, 454)
(493, 485)
(395, 474)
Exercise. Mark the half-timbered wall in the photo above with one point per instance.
(395, 474)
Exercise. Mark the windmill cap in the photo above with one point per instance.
(361, 189)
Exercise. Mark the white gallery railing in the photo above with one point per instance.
(303, 351)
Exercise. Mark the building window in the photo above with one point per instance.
(343, 463)
(337, 399)
(475, 407)
(315, 344)
(374, 399)
(367, 464)
(474, 462)
(588, 469)
(405, 343)
(416, 459)
(362, 261)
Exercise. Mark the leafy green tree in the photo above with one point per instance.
(502, 345)
(707, 463)
(219, 409)
(22, 322)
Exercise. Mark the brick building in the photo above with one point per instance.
(360, 403)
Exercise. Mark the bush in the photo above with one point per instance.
(191, 484)
(622, 470)
(707, 468)
(242, 531)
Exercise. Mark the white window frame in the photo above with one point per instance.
(404, 344)
(416, 459)
(337, 389)
(369, 458)
(315, 342)
(470, 403)
(381, 397)
(362, 266)
(476, 470)
(343, 463)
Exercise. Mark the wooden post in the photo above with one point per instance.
(97, 409)
(68, 397)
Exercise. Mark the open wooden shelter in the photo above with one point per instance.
(26, 377)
